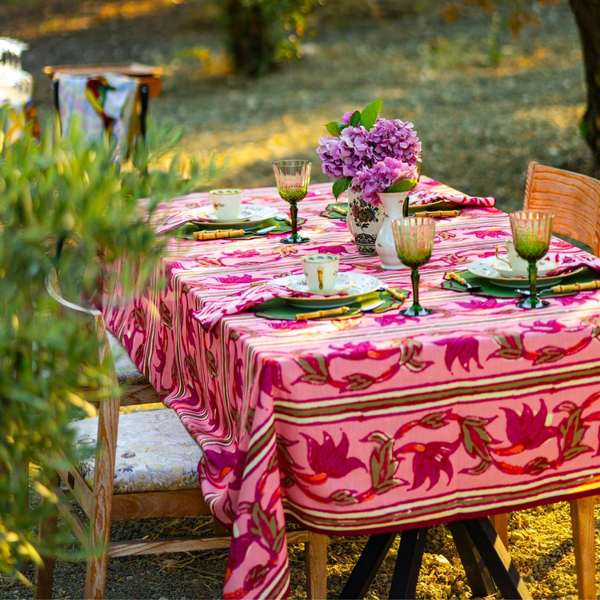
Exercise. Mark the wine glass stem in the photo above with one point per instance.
(294, 216)
(414, 275)
(533, 279)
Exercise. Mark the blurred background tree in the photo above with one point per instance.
(587, 18)
(62, 205)
(262, 33)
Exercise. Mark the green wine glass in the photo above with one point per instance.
(414, 244)
(531, 231)
(293, 177)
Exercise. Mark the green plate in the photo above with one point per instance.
(331, 213)
(489, 289)
(187, 230)
(278, 309)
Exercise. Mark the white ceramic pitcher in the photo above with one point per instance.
(386, 248)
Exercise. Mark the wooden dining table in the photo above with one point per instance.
(371, 424)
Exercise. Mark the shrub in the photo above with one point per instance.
(62, 204)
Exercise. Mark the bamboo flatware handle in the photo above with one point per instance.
(341, 210)
(255, 283)
(218, 234)
(332, 312)
(396, 294)
(456, 277)
(577, 287)
(439, 214)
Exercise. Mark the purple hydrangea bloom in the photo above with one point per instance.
(381, 176)
(394, 139)
(347, 154)
(346, 117)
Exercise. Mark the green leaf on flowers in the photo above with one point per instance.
(371, 113)
(355, 118)
(334, 128)
(340, 185)
(404, 185)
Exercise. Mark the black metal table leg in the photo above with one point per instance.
(479, 577)
(367, 566)
(482, 553)
(496, 558)
(408, 564)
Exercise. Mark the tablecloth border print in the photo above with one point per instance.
(233, 390)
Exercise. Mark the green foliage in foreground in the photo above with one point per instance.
(62, 204)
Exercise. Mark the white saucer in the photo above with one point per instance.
(208, 214)
(260, 214)
(484, 267)
(363, 286)
(342, 284)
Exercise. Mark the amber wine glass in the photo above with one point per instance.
(531, 231)
(292, 177)
(414, 244)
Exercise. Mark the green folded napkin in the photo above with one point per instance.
(330, 212)
(279, 309)
(495, 291)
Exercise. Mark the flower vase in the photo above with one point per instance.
(364, 222)
(395, 206)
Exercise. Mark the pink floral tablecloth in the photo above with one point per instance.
(375, 423)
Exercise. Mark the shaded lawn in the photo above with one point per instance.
(480, 126)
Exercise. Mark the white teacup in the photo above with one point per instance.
(226, 203)
(321, 271)
(512, 261)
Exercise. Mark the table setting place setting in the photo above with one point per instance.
(391, 212)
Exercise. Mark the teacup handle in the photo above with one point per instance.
(320, 277)
(502, 259)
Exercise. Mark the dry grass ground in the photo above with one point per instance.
(480, 126)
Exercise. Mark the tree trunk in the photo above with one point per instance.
(587, 17)
(249, 37)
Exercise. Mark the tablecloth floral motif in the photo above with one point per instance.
(371, 424)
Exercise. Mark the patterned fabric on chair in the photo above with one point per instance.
(126, 370)
(154, 452)
(104, 105)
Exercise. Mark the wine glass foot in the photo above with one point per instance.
(532, 302)
(295, 238)
(416, 311)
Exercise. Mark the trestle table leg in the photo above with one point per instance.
(479, 577)
(408, 564)
(367, 566)
(496, 558)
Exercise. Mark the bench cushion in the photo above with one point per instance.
(126, 370)
(154, 452)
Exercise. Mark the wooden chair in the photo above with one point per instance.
(130, 477)
(575, 201)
